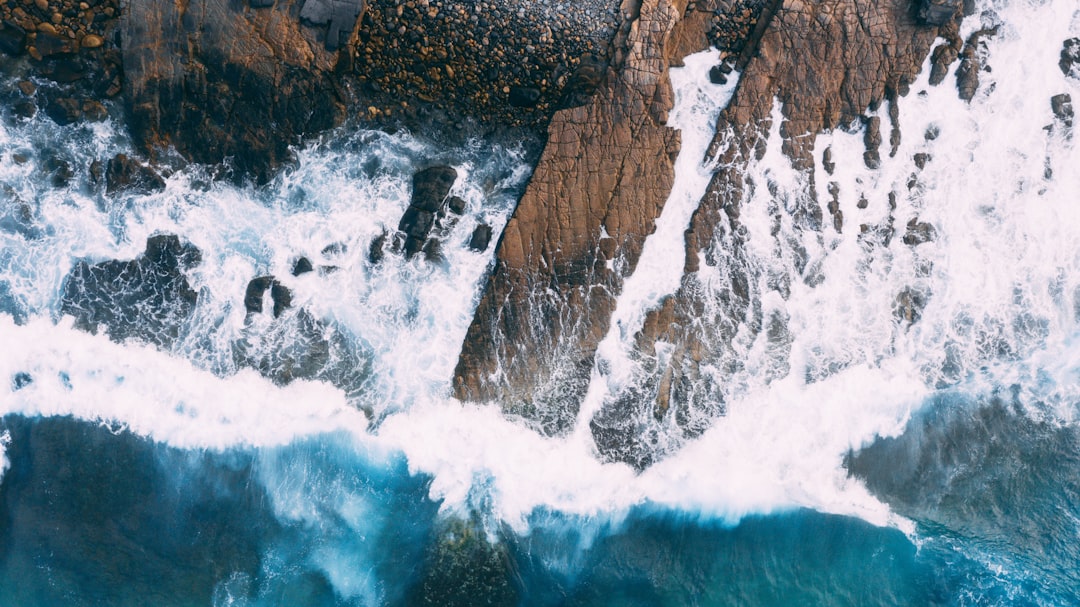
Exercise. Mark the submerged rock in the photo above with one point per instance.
(147, 298)
(939, 12)
(431, 186)
(256, 289)
(124, 174)
(481, 236)
(1070, 57)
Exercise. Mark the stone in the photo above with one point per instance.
(124, 174)
(12, 39)
(63, 110)
(50, 44)
(302, 265)
(918, 232)
(210, 76)
(1070, 57)
(456, 205)
(431, 186)
(280, 295)
(147, 298)
(91, 41)
(939, 12)
(524, 96)
(1062, 107)
(377, 248)
(481, 236)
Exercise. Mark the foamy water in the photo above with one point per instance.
(1000, 279)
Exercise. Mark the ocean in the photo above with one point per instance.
(915, 442)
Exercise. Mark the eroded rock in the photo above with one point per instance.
(125, 174)
(147, 298)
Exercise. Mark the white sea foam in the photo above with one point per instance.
(1001, 278)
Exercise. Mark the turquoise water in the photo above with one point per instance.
(868, 453)
(93, 516)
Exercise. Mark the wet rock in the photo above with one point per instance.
(431, 186)
(302, 265)
(12, 39)
(918, 232)
(872, 142)
(718, 74)
(908, 306)
(211, 75)
(147, 298)
(377, 249)
(58, 169)
(456, 205)
(943, 56)
(939, 12)
(481, 236)
(967, 76)
(63, 110)
(256, 290)
(921, 158)
(124, 174)
(24, 108)
(94, 111)
(607, 168)
(49, 45)
(97, 172)
(430, 189)
(827, 161)
(1062, 107)
(433, 251)
(1070, 57)
(524, 96)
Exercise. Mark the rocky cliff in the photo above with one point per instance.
(606, 172)
(580, 226)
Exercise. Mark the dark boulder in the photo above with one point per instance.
(1070, 57)
(481, 237)
(456, 205)
(124, 174)
(377, 249)
(918, 232)
(524, 96)
(584, 82)
(63, 110)
(1063, 108)
(302, 265)
(431, 186)
(943, 56)
(12, 39)
(939, 12)
(256, 290)
(147, 298)
(50, 45)
(416, 223)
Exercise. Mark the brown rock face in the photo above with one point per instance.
(580, 226)
(601, 183)
(209, 76)
(826, 63)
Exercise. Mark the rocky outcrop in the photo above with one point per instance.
(580, 226)
(218, 80)
(147, 298)
(826, 63)
(431, 186)
(605, 174)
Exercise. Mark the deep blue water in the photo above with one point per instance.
(94, 516)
